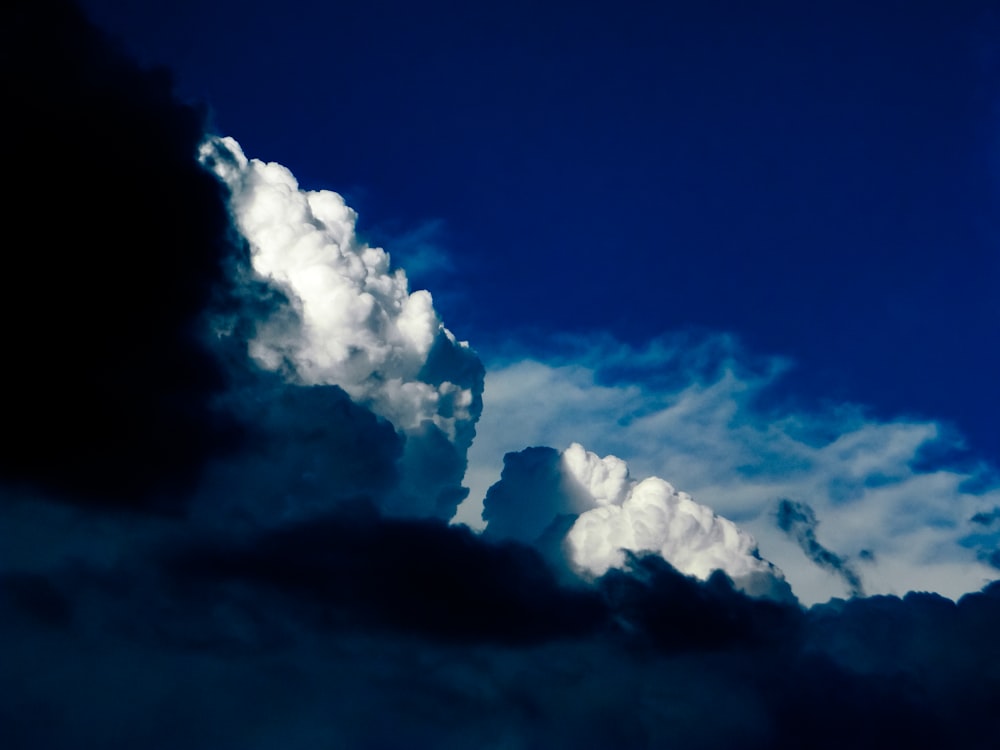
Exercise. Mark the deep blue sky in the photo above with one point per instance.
(819, 178)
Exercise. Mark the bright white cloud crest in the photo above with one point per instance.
(651, 516)
(585, 510)
(359, 325)
(350, 320)
(605, 479)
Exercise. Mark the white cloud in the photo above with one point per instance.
(359, 325)
(585, 510)
(351, 321)
(651, 516)
(697, 426)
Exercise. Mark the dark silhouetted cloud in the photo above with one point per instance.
(364, 633)
(799, 521)
(123, 242)
(986, 518)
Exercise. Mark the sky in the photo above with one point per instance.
(819, 179)
(403, 375)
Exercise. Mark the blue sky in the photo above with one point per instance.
(818, 179)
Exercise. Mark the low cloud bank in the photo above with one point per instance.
(361, 631)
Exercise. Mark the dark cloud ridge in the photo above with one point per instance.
(123, 248)
(373, 608)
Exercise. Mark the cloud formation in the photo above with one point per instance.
(360, 632)
(584, 507)
(110, 372)
(348, 319)
(700, 411)
(354, 322)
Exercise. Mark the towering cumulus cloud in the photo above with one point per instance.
(599, 518)
(350, 320)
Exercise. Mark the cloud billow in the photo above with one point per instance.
(600, 516)
(349, 320)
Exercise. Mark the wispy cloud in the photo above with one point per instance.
(420, 249)
(798, 520)
(691, 412)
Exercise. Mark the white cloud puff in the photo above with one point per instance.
(358, 325)
(348, 319)
(651, 516)
(587, 510)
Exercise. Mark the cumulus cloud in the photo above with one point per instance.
(694, 410)
(589, 509)
(655, 517)
(358, 326)
(349, 320)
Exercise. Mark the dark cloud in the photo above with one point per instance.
(305, 449)
(986, 519)
(361, 632)
(356, 569)
(992, 557)
(121, 244)
(533, 489)
(798, 520)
